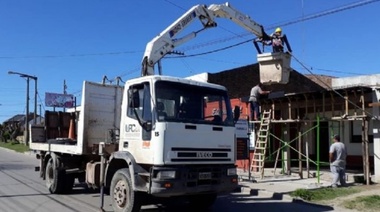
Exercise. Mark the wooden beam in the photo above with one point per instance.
(332, 104)
(349, 118)
(374, 104)
(289, 108)
(323, 104)
(299, 152)
(306, 107)
(346, 98)
(362, 99)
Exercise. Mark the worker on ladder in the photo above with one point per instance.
(278, 40)
(254, 100)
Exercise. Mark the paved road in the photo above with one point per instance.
(21, 189)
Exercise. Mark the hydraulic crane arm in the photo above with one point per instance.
(227, 11)
(166, 41)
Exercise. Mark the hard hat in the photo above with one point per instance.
(278, 29)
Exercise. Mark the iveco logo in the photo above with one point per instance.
(204, 154)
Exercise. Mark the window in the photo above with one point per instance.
(144, 109)
(178, 102)
(356, 132)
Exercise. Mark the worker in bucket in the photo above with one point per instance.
(278, 40)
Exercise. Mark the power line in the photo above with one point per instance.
(70, 55)
(331, 88)
(298, 20)
(176, 5)
(302, 19)
(291, 22)
(213, 51)
(324, 13)
(335, 71)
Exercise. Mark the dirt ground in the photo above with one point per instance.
(365, 190)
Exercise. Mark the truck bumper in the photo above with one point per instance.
(194, 180)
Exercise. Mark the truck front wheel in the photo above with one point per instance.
(124, 199)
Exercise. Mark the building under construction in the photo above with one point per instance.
(304, 114)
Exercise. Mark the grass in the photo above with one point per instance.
(363, 203)
(323, 193)
(15, 146)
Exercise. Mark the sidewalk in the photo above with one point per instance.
(279, 186)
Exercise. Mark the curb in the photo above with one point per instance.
(261, 192)
(30, 153)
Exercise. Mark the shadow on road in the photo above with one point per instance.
(245, 203)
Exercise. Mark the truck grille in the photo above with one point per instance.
(201, 154)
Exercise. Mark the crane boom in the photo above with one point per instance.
(227, 11)
(166, 41)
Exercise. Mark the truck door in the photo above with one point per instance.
(143, 111)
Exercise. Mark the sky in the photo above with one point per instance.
(76, 41)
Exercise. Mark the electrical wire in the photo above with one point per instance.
(324, 13)
(213, 51)
(291, 22)
(335, 71)
(302, 19)
(331, 88)
(71, 55)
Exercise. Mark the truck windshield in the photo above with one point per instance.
(178, 102)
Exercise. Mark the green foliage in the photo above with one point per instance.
(322, 193)
(303, 194)
(370, 202)
(15, 145)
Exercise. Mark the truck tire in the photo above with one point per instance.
(54, 178)
(202, 201)
(69, 183)
(123, 198)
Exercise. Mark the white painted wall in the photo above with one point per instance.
(343, 128)
(372, 81)
(368, 80)
(356, 148)
(376, 136)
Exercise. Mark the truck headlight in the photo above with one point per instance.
(166, 175)
(231, 171)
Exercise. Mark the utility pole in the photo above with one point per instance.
(27, 113)
(64, 92)
(35, 101)
(28, 77)
(40, 112)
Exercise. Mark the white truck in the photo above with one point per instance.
(157, 136)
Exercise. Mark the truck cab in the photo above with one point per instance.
(178, 128)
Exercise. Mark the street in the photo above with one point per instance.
(21, 189)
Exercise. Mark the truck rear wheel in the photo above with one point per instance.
(54, 177)
(123, 198)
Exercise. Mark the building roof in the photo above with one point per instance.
(239, 82)
(16, 118)
(322, 80)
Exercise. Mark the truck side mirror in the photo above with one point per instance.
(236, 113)
(133, 98)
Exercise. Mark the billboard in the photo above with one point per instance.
(59, 100)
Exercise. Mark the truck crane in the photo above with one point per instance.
(166, 41)
(157, 137)
(273, 65)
